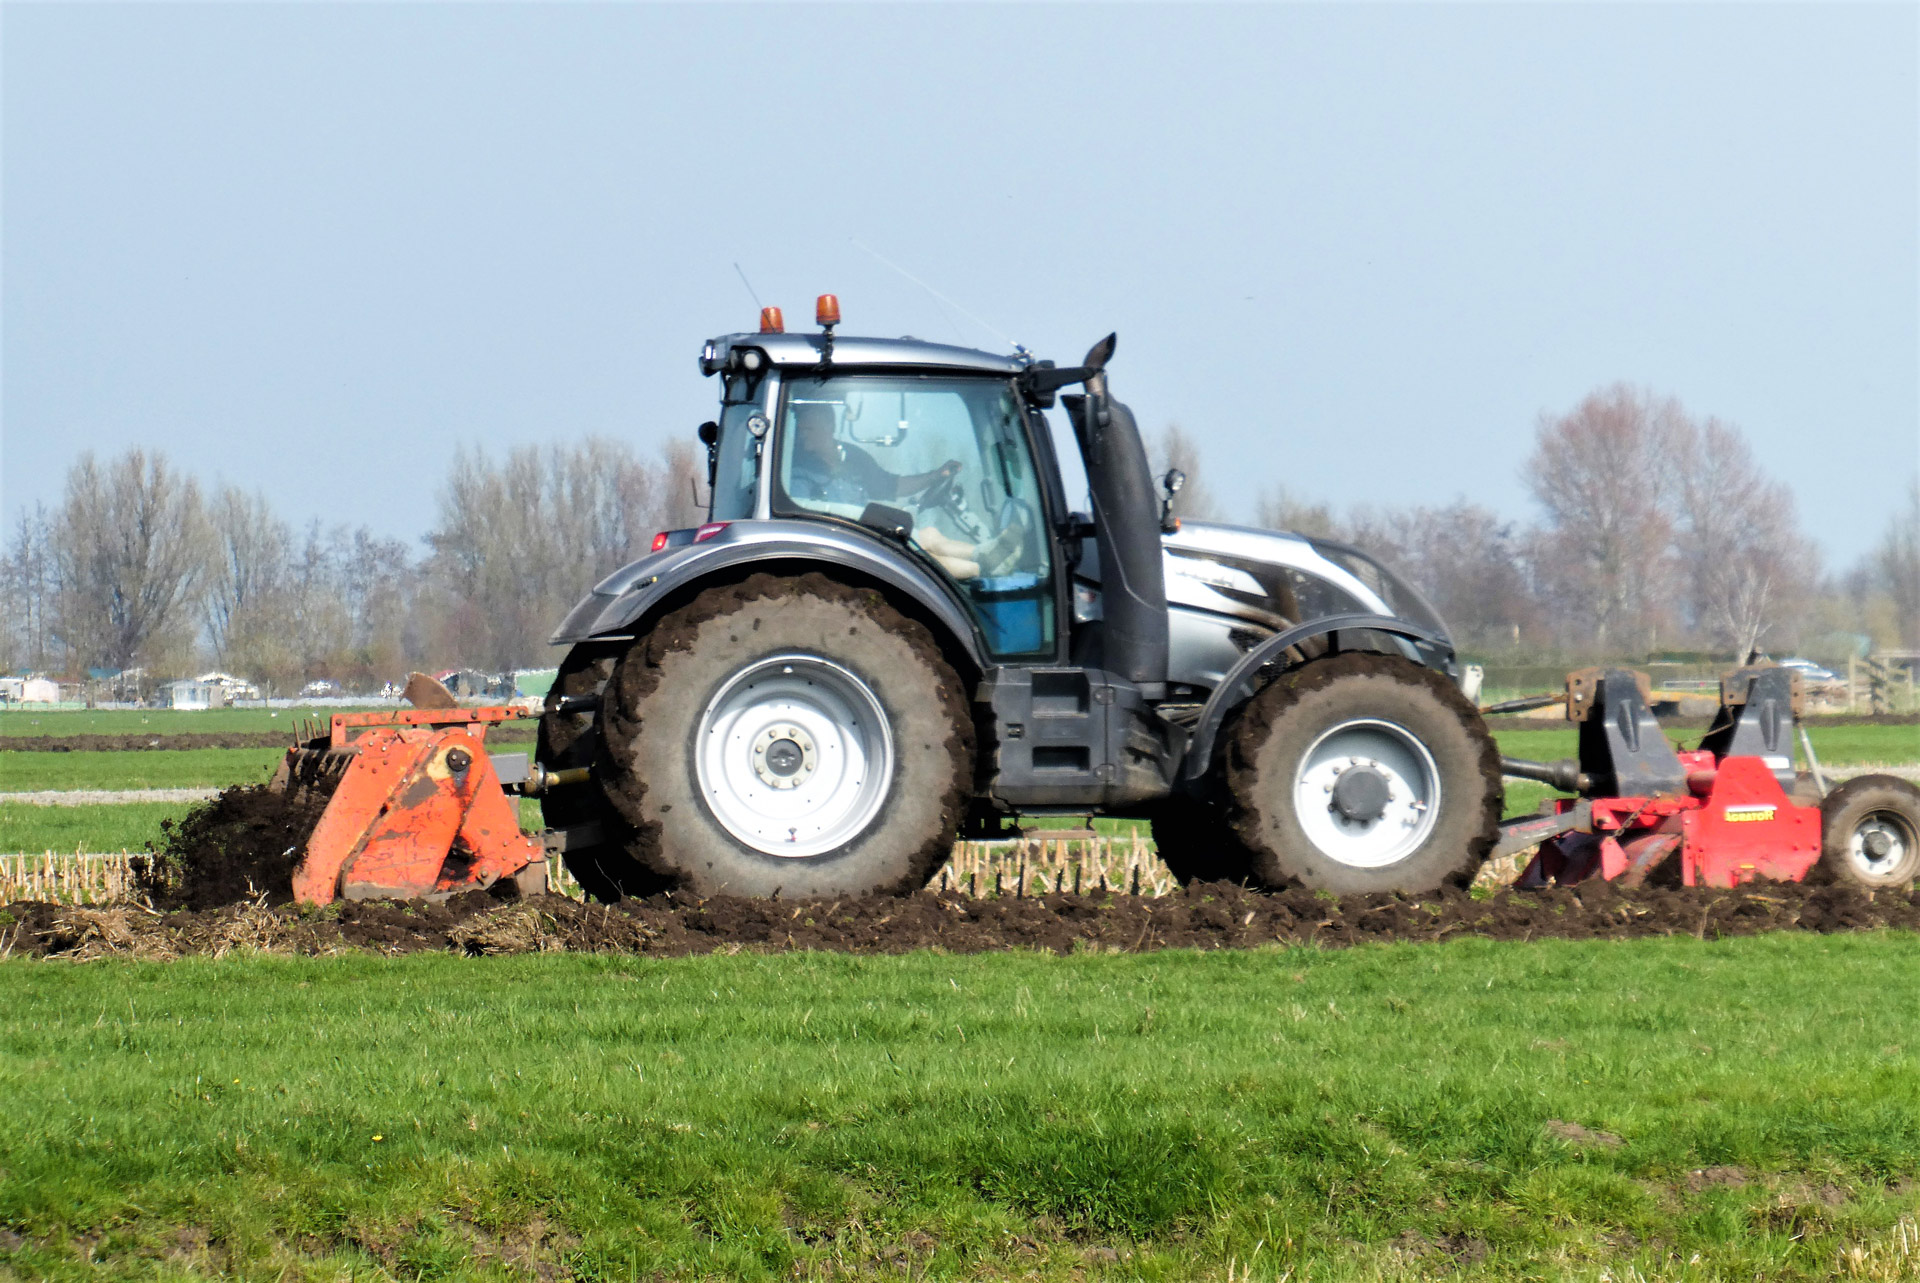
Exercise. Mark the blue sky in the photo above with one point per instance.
(1355, 250)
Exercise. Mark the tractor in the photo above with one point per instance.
(896, 628)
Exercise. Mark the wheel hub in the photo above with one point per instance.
(1879, 844)
(794, 755)
(1360, 794)
(784, 756)
(1367, 793)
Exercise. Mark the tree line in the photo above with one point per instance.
(137, 567)
(1654, 530)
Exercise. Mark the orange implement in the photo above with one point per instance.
(414, 808)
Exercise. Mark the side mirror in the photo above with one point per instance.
(1172, 483)
(708, 432)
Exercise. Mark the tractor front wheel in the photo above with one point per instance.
(1364, 772)
(1870, 832)
(789, 736)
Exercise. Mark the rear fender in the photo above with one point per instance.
(618, 604)
(1243, 679)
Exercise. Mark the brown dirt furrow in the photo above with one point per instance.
(1218, 916)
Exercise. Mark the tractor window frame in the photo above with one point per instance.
(1040, 457)
(736, 445)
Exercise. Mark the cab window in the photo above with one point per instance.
(952, 455)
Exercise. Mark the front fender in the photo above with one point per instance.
(624, 598)
(1239, 685)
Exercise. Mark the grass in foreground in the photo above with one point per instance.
(1513, 1111)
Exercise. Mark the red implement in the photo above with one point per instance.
(1734, 824)
(414, 808)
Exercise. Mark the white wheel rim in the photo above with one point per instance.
(1411, 807)
(794, 756)
(1899, 844)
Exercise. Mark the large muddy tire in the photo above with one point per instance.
(1195, 841)
(788, 736)
(604, 869)
(1363, 772)
(1870, 832)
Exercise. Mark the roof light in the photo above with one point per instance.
(709, 530)
(826, 311)
(659, 541)
(771, 322)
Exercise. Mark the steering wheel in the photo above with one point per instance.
(943, 494)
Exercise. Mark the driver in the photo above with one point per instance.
(833, 472)
(830, 471)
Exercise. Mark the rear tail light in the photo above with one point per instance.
(660, 541)
(709, 530)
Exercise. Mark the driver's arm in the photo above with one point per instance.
(921, 480)
(878, 483)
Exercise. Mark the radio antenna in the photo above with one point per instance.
(749, 284)
(938, 296)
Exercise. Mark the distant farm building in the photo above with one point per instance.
(29, 690)
(191, 692)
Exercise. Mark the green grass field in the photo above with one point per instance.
(156, 721)
(126, 826)
(1384, 1112)
(142, 769)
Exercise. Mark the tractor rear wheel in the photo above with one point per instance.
(1364, 772)
(1870, 832)
(603, 868)
(788, 736)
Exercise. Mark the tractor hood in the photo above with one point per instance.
(1275, 579)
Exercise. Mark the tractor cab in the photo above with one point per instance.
(931, 449)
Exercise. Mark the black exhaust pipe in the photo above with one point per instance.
(1133, 590)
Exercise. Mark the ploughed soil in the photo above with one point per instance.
(221, 880)
(1217, 916)
(242, 846)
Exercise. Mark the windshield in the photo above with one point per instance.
(948, 460)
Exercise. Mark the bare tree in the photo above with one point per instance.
(247, 568)
(1602, 474)
(1465, 560)
(1174, 448)
(518, 542)
(1280, 509)
(1746, 563)
(27, 585)
(128, 543)
(1896, 566)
